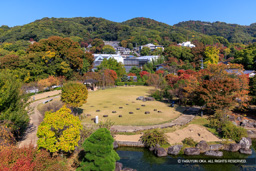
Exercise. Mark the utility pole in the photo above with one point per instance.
(202, 63)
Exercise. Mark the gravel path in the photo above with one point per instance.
(35, 119)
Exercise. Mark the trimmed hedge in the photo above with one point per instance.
(129, 83)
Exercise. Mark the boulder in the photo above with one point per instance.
(191, 151)
(155, 109)
(97, 110)
(216, 147)
(151, 148)
(214, 153)
(115, 145)
(140, 98)
(143, 105)
(234, 147)
(245, 151)
(120, 116)
(120, 107)
(203, 146)
(137, 108)
(147, 112)
(159, 111)
(160, 152)
(113, 111)
(105, 116)
(149, 98)
(130, 112)
(174, 150)
(245, 143)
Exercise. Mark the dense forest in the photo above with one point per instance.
(234, 33)
(137, 31)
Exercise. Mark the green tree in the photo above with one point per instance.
(59, 131)
(112, 64)
(99, 152)
(145, 51)
(124, 78)
(135, 70)
(97, 45)
(13, 103)
(108, 49)
(74, 94)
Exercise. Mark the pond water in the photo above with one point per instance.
(144, 160)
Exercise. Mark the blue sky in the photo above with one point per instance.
(19, 12)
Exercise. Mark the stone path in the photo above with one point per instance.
(181, 120)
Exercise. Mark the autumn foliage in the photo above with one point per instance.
(142, 73)
(28, 159)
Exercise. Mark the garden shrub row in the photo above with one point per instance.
(129, 83)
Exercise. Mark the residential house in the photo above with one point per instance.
(152, 46)
(250, 73)
(187, 44)
(98, 58)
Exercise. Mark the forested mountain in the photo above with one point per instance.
(140, 30)
(233, 32)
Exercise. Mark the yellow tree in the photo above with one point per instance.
(211, 55)
(59, 131)
(74, 94)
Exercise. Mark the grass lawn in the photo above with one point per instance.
(111, 99)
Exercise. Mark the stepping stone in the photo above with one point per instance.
(127, 104)
(88, 115)
(105, 107)
(120, 116)
(130, 112)
(143, 105)
(147, 112)
(120, 107)
(137, 108)
(159, 111)
(105, 116)
(97, 110)
(91, 106)
(155, 109)
(93, 119)
(113, 111)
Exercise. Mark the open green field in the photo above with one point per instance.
(111, 99)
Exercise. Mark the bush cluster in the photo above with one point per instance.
(189, 141)
(153, 137)
(129, 83)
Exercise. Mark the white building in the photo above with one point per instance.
(152, 46)
(187, 44)
(98, 58)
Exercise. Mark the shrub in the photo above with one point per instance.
(189, 141)
(99, 152)
(28, 158)
(59, 131)
(157, 94)
(152, 137)
(6, 137)
(120, 84)
(52, 106)
(229, 130)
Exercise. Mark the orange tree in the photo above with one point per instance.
(74, 94)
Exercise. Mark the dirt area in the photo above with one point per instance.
(46, 94)
(196, 132)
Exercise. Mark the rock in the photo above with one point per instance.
(149, 98)
(147, 112)
(214, 153)
(245, 151)
(144, 100)
(93, 119)
(151, 148)
(231, 118)
(115, 145)
(119, 166)
(113, 111)
(248, 125)
(245, 143)
(216, 147)
(140, 98)
(143, 105)
(203, 146)
(155, 109)
(130, 112)
(234, 123)
(120, 107)
(91, 106)
(88, 115)
(120, 116)
(97, 110)
(105, 116)
(234, 147)
(239, 118)
(160, 152)
(174, 150)
(127, 104)
(137, 108)
(191, 151)
(245, 121)
(128, 169)
(159, 111)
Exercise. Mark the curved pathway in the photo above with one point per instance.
(35, 119)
